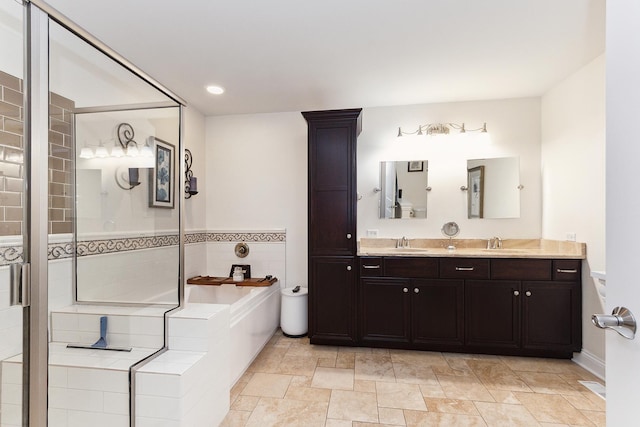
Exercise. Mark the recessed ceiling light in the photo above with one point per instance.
(216, 90)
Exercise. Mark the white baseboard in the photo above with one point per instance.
(591, 363)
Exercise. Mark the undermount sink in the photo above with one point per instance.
(506, 251)
(406, 249)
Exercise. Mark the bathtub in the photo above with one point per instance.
(254, 317)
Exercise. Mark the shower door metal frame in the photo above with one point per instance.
(36, 151)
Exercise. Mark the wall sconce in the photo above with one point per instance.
(127, 178)
(190, 182)
(441, 129)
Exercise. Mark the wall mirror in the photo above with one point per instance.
(493, 188)
(403, 189)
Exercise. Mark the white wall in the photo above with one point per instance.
(573, 176)
(256, 179)
(194, 139)
(514, 130)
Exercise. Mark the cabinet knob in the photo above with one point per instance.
(416, 290)
(516, 293)
(348, 268)
(405, 290)
(348, 236)
(528, 293)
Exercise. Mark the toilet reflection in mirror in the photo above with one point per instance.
(403, 189)
(493, 188)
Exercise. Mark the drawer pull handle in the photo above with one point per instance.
(464, 268)
(368, 267)
(572, 271)
(405, 290)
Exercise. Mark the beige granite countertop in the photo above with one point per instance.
(475, 248)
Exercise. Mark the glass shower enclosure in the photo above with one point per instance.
(90, 228)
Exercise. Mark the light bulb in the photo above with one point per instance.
(86, 153)
(117, 151)
(101, 152)
(132, 151)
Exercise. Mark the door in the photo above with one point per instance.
(623, 209)
(385, 310)
(492, 313)
(13, 227)
(437, 313)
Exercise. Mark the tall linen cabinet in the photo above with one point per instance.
(332, 200)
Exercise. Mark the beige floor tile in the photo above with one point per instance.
(327, 362)
(235, 419)
(365, 386)
(374, 367)
(391, 416)
(421, 358)
(279, 412)
(359, 424)
(550, 383)
(598, 418)
(301, 380)
(534, 364)
(448, 370)
(496, 375)
(400, 396)
(587, 401)
(346, 360)
(451, 406)
(438, 419)
(353, 405)
(552, 408)
(505, 396)
(245, 403)
(414, 374)
(333, 378)
(300, 365)
(504, 415)
(267, 385)
(338, 423)
(464, 388)
(553, 425)
(312, 351)
(267, 362)
(307, 393)
(434, 391)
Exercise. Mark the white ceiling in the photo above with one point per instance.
(296, 55)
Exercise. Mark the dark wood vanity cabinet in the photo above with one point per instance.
(409, 312)
(499, 306)
(332, 225)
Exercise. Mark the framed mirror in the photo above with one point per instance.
(493, 188)
(403, 189)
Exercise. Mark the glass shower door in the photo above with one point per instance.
(13, 228)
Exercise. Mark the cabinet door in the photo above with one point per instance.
(551, 316)
(332, 202)
(385, 310)
(437, 313)
(492, 311)
(332, 310)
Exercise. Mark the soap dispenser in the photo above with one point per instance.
(238, 274)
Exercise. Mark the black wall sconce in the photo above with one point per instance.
(191, 182)
(127, 179)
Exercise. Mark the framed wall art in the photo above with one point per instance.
(162, 176)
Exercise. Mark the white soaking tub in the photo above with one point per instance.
(254, 317)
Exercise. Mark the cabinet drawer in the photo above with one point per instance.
(521, 269)
(423, 268)
(567, 269)
(370, 266)
(464, 268)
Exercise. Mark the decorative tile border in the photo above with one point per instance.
(12, 254)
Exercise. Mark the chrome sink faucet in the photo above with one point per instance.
(494, 243)
(402, 243)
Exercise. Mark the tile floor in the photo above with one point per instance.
(294, 383)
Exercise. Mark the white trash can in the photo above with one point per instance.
(293, 313)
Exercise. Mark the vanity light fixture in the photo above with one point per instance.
(190, 181)
(441, 129)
